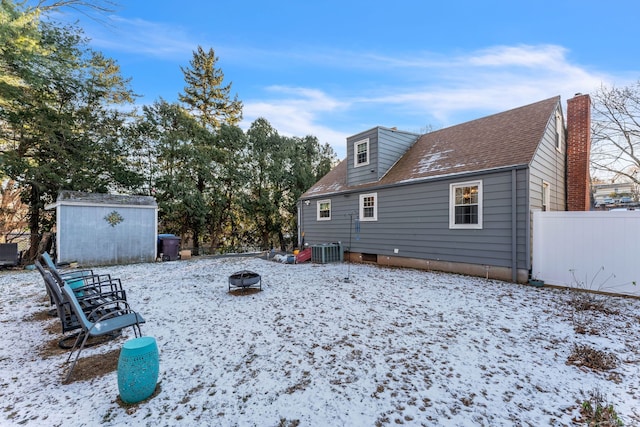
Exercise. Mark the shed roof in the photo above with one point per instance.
(67, 197)
(501, 140)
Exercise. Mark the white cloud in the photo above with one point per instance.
(445, 90)
(407, 89)
(483, 82)
(523, 55)
(153, 39)
(295, 111)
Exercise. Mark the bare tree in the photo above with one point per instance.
(615, 127)
(103, 6)
(13, 213)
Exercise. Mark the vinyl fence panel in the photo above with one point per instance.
(597, 251)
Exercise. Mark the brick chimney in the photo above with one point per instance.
(578, 152)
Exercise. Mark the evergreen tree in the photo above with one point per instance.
(205, 95)
(267, 166)
(310, 162)
(280, 169)
(208, 99)
(182, 159)
(225, 220)
(58, 125)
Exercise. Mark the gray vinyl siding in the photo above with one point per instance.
(392, 144)
(363, 174)
(415, 220)
(548, 164)
(386, 146)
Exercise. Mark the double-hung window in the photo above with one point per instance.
(369, 207)
(465, 205)
(361, 153)
(324, 210)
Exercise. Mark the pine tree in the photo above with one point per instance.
(208, 99)
(205, 95)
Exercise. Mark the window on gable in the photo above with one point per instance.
(361, 153)
(546, 195)
(559, 131)
(465, 205)
(324, 210)
(369, 207)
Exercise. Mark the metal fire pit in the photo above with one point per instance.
(245, 279)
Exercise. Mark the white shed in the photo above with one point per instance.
(104, 229)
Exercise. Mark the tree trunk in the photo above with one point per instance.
(34, 224)
(265, 240)
(196, 241)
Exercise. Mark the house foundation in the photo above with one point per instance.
(487, 271)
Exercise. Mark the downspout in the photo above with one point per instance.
(514, 228)
(58, 213)
(155, 239)
(527, 211)
(300, 225)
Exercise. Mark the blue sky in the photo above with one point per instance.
(335, 68)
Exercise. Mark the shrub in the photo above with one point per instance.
(596, 412)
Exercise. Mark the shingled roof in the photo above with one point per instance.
(501, 140)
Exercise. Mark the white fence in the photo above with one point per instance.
(592, 250)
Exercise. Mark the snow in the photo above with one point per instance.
(387, 347)
(430, 162)
(331, 188)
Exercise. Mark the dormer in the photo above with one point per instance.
(373, 152)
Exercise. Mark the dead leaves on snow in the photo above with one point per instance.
(598, 360)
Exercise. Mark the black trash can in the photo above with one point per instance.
(169, 247)
(159, 242)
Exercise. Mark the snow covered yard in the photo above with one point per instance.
(392, 347)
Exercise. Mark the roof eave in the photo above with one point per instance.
(461, 175)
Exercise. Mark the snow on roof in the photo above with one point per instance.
(67, 197)
(489, 143)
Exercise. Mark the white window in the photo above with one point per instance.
(361, 153)
(465, 205)
(369, 207)
(324, 210)
(559, 131)
(546, 196)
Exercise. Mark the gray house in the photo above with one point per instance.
(103, 229)
(458, 199)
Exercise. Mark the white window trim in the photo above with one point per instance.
(546, 196)
(452, 205)
(355, 153)
(375, 207)
(318, 217)
(559, 131)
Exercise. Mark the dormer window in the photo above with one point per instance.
(361, 153)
